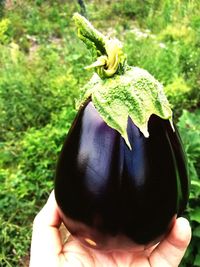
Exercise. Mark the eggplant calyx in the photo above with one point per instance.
(110, 57)
(135, 94)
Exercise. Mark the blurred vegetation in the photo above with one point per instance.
(41, 71)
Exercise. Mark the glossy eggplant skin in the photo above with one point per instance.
(111, 197)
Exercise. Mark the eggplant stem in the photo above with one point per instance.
(110, 50)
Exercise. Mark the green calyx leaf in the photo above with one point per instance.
(135, 94)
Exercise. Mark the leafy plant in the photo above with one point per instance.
(180, 95)
(161, 60)
(132, 8)
(2, 3)
(4, 25)
(27, 178)
(190, 132)
(32, 88)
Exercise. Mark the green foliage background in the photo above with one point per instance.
(41, 71)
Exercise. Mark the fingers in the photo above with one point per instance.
(172, 249)
(46, 240)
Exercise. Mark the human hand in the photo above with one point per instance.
(47, 248)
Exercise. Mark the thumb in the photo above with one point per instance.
(46, 241)
(172, 249)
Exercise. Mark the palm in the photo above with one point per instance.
(81, 256)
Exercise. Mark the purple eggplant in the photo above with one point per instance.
(121, 178)
(113, 197)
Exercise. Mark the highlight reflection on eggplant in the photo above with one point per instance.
(111, 196)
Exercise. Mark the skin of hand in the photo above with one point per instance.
(47, 248)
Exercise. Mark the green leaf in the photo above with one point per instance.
(197, 260)
(196, 231)
(195, 215)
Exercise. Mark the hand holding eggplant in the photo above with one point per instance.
(47, 248)
(121, 178)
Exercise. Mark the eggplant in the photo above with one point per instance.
(121, 178)
(108, 193)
